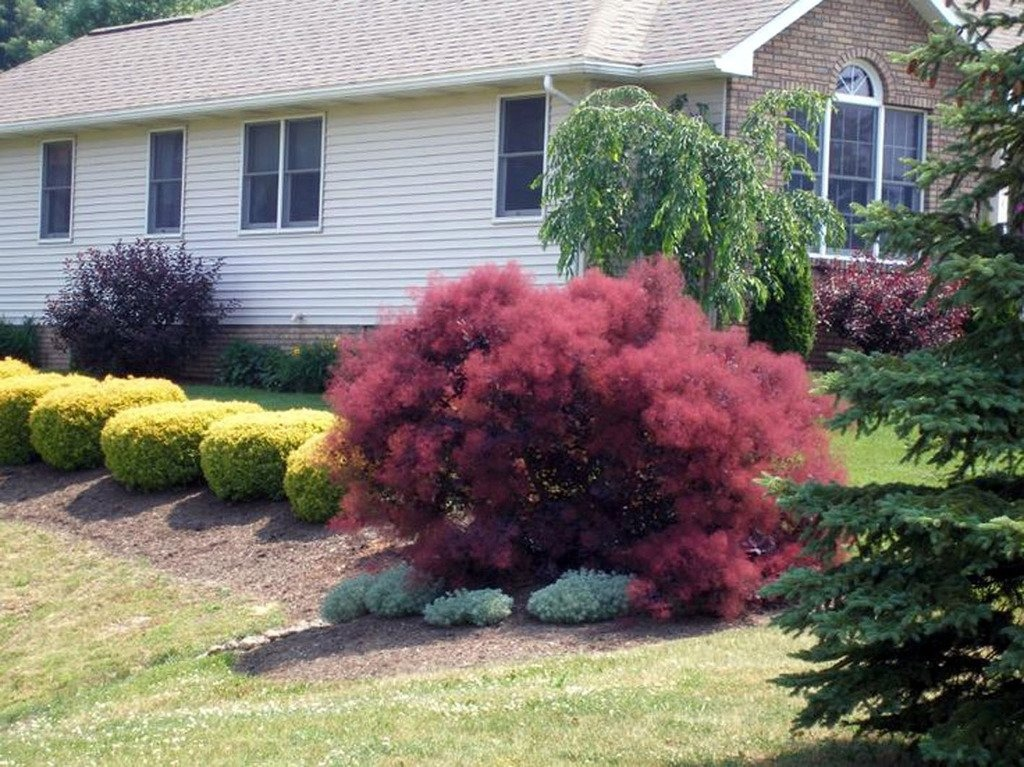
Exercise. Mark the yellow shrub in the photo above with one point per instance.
(65, 424)
(307, 481)
(153, 447)
(10, 367)
(18, 395)
(243, 456)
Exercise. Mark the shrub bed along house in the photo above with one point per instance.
(516, 432)
(243, 456)
(19, 341)
(65, 424)
(157, 446)
(303, 368)
(18, 395)
(313, 496)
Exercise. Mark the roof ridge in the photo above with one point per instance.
(139, 25)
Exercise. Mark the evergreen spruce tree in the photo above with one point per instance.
(917, 604)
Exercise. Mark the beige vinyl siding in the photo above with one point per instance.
(408, 191)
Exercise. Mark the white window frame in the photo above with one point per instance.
(825, 138)
(278, 229)
(183, 129)
(41, 239)
(517, 218)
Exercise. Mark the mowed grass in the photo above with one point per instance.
(269, 400)
(100, 664)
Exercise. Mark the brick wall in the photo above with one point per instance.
(812, 52)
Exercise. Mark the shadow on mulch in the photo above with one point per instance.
(44, 480)
(106, 499)
(203, 511)
(375, 647)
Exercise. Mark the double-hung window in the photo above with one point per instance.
(166, 173)
(282, 174)
(521, 132)
(55, 195)
(863, 150)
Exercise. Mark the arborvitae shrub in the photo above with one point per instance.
(243, 456)
(308, 485)
(480, 607)
(20, 341)
(786, 322)
(157, 446)
(514, 430)
(581, 596)
(18, 395)
(347, 600)
(10, 367)
(401, 591)
(881, 307)
(139, 308)
(65, 424)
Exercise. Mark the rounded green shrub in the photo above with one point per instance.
(307, 481)
(481, 607)
(18, 395)
(347, 600)
(11, 367)
(157, 446)
(65, 424)
(581, 596)
(243, 456)
(401, 591)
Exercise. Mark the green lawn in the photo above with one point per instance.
(99, 663)
(268, 399)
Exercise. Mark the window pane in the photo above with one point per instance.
(515, 176)
(854, 81)
(852, 162)
(302, 199)
(262, 147)
(165, 206)
(903, 134)
(260, 201)
(522, 125)
(304, 141)
(166, 152)
(56, 213)
(57, 164)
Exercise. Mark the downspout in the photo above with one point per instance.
(551, 90)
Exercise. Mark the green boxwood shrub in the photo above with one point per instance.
(581, 596)
(18, 395)
(10, 367)
(481, 607)
(243, 456)
(65, 424)
(307, 481)
(347, 600)
(401, 591)
(20, 341)
(157, 446)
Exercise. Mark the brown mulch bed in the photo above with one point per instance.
(260, 550)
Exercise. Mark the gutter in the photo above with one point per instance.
(584, 67)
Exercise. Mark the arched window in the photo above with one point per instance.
(863, 149)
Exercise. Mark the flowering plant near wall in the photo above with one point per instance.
(514, 432)
(884, 307)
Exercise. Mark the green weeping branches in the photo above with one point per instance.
(627, 178)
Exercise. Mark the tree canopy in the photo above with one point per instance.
(628, 178)
(29, 28)
(920, 621)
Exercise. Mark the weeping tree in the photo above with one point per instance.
(627, 178)
(918, 621)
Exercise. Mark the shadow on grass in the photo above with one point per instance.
(864, 752)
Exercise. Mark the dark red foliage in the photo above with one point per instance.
(881, 308)
(516, 431)
(142, 308)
